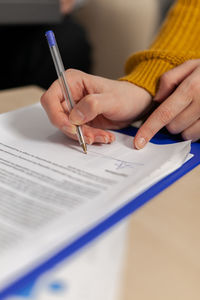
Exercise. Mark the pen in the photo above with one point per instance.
(63, 82)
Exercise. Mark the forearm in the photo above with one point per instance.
(177, 41)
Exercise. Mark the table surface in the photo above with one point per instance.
(162, 258)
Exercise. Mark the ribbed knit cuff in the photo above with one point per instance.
(145, 68)
(147, 74)
(177, 42)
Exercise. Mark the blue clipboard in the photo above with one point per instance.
(24, 283)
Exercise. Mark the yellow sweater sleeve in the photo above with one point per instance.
(177, 41)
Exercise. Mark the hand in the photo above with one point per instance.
(179, 111)
(66, 6)
(100, 104)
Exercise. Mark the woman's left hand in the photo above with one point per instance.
(179, 111)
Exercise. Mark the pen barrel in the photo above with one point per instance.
(61, 76)
(55, 53)
(60, 70)
(79, 135)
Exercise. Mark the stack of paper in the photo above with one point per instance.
(94, 274)
(51, 192)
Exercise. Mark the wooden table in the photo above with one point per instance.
(163, 255)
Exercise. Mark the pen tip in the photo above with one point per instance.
(84, 148)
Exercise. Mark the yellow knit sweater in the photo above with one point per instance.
(177, 41)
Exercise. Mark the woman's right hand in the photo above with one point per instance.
(100, 104)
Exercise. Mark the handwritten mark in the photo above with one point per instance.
(120, 164)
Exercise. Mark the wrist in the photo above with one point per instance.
(136, 101)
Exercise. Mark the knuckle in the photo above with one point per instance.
(70, 71)
(166, 79)
(184, 94)
(92, 104)
(192, 87)
(71, 75)
(164, 115)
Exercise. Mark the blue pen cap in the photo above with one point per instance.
(50, 38)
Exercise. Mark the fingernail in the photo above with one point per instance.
(99, 139)
(69, 129)
(76, 116)
(112, 139)
(106, 139)
(141, 142)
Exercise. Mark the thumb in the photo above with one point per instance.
(91, 106)
(171, 79)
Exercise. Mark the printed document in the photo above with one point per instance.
(51, 192)
(87, 275)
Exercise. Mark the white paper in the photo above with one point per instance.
(95, 273)
(51, 192)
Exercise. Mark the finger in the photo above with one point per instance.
(77, 81)
(162, 116)
(185, 119)
(74, 137)
(81, 84)
(192, 132)
(54, 103)
(91, 106)
(171, 79)
(51, 102)
(92, 135)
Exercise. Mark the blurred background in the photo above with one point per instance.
(95, 36)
